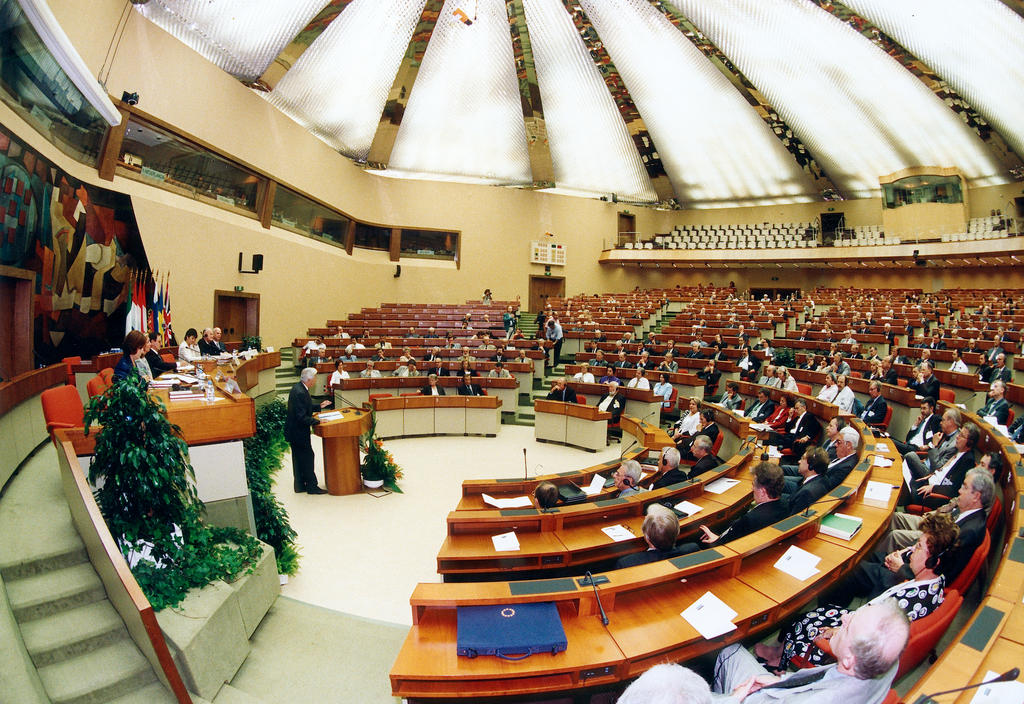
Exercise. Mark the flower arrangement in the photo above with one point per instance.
(378, 464)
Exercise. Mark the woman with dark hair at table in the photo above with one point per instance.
(132, 361)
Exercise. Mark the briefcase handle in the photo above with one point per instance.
(509, 657)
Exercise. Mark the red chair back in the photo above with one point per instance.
(884, 425)
(1009, 417)
(411, 393)
(964, 580)
(994, 515)
(107, 375)
(62, 408)
(581, 399)
(68, 362)
(96, 386)
(717, 444)
(803, 388)
(373, 396)
(167, 357)
(926, 632)
(903, 383)
(947, 395)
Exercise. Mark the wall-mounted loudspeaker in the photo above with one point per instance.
(257, 264)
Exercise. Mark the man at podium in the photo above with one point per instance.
(296, 431)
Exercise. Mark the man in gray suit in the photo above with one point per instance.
(867, 648)
(943, 445)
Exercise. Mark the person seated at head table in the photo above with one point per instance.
(133, 361)
(188, 351)
(156, 363)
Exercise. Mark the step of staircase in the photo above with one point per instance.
(68, 634)
(154, 693)
(52, 592)
(106, 673)
(66, 556)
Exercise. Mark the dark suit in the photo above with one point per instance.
(931, 426)
(757, 414)
(470, 390)
(999, 408)
(874, 411)
(617, 405)
(950, 484)
(926, 387)
(839, 469)
(686, 443)
(1017, 430)
(994, 352)
(891, 377)
(704, 464)
(805, 424)
(568, 395)
(755, 519)
(809, 492)
(997, 374)
(296, 431)
(157, 365)
(209, 348)
(710, 381)
(673, 476)
(642, 558)
(427, 392)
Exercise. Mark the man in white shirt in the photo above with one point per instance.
(845, 398)
(639, 381)
(352, 347)
(584, 374)
(370, 372)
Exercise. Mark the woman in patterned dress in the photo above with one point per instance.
(918, 597)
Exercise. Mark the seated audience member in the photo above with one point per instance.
(432, 388)
(762, 408)
(661, 528)
(813, 482)
(888, 564)
(918, 596)
(781, 415)
(846, 457)
(1000, 372)
(801, 430)
(403, 367)
(889, 372)
(838, 365)
(639, 381)
(688, 423)
(996, 406)
(867, 647)
(613, 402)
(943, 483)
(133, 361)
(188, 351)
(920, 435)
(701, 451)
(695, 351)
(156, 363)
(664, 390)
(924, 382)
(621, 362)
(584, 374)
(711, 376)
(941, 447)
(468, 388)
(845, 398)
(645, 362)
(209, 348)
(499, 372)
(369, 371)
(707, 427)
(786, 382)
(561, 392)
(768, 509)
(627, 478)
(959, 365)
(732, 400)
(748, 364)
(669, 364)
(829, 389)
(770, 378)
(546, 495)
(876, 408)
(667, 472)
(667, 684)
(609, 376)
(337, 375)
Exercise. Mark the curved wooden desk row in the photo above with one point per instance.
(571, 536)
(725, 366)
(357, 391)
(407, 416)
(643, 605)
(824, 411)
(993, 640)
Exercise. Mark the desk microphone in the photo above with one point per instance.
(604, 616)
(628, 448)
(526, 469)
(807, 511)
(345, 400)
(1007, 676)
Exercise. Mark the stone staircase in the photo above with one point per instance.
(75, 638)
(286, 375)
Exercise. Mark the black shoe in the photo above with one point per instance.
(316, 490)
(300, 490)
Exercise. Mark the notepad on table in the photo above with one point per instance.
(720, 486)
(710, 616)
(618, 533)
(595, 486)
(687, 508)
(517, 502)
(877, 491)
(505, 542)
(798, 563)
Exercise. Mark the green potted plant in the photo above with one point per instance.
(378, 466)
(147, 495)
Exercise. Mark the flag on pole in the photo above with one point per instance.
(129, 309)
(168, 332)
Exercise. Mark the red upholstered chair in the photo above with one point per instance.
(947, 395)
(167, 357)
(68, 362)
(803, 388)
(965, 579)
(1009, 417)
(994, 515)
(62, 408)
(892, 697)
(96, 386)
(581, 399)
(884, 425)
(903, 383)
(411, 393)
(672, 412)
(717, 444)
(107, 375)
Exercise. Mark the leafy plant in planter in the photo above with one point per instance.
(378, 464)
(254, 342)
(784, 356)
(149, 501)
(263, 453)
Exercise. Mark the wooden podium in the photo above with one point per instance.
(341, 450)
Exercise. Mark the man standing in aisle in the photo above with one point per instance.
(297, 426)
(553, 332)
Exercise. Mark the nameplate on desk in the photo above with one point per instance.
(518, 512)
(541, 586)
(840, 491)
(567, 474)
(863, 466)
(508, 481)
(1017, 550)
(695, 558)
(983, 628)
(788, 523)
(609, 502)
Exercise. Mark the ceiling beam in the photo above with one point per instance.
(541, 165)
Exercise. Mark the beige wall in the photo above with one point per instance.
(305, 282)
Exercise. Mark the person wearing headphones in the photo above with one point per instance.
(627, 478)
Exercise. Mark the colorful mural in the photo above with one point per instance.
(81, 241)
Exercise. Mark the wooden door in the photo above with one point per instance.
(237, 314)
(626, 228)
(544, 287)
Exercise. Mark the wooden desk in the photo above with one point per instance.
(341, 450)
(416, 416)
(572, 424)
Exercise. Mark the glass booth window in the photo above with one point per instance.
(301, 214)
(372, 237)
(429, 244)
(923, 189)
(155, 155)
(34, 85)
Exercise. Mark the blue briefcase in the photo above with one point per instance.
(512, 631)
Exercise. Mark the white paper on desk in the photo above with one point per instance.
(881, 461)
(187, 396)
(774, 452)
(759, 426)
(618, 533)
(688, 508)
(908, 478)
(329, 415)
(595, 487)
(877, 491)
(710, 616)
(505, 542)
(999, 692)
(517, 502)
(720, 486)
(186, 379)
(882, 447)
(961, 406)
(798, 563)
